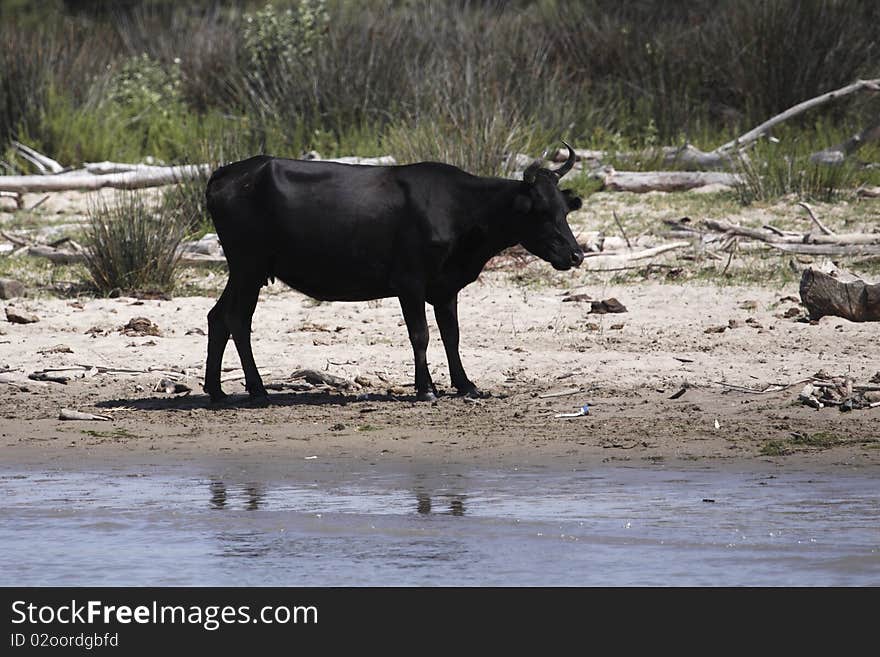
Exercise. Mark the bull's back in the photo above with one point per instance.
(329, 230)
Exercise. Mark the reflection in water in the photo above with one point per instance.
(255, 495)
(610, 526)
(456, 504)
(219, 496)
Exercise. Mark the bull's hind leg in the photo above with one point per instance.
(218, 336)
(414, 315)
(238, 311)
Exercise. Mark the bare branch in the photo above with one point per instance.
(756, 133)
(815, 219)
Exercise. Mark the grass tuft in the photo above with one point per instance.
(131, 244)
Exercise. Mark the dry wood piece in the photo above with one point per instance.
(57, 256)
(20, 317)
(138, 178)
(829, 249)
(48, 376)
(315, 378)
(171, 387)
(15, 196)
(43, 163)
(838, 391)
(57, 349)
(666, 181)
(815, 219)
(577, 298)
(726, 155)
(66, 257)
(610, 260)
(826, 295)
(611, 305)
(129, 176)
(11, 288)
(68, 414)
(559, 393)
(837, 154)
(140, 326)
(831, 244)
(756, 133)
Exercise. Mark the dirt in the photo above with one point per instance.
(658, 386)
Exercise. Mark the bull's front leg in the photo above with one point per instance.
(413, 307)
(446, 314)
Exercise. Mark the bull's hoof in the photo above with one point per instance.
(218, 397)
(472, 392)
(426, 396)
(259, 399)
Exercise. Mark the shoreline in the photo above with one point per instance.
(662, 384)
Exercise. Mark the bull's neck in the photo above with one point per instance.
(494, 213)
(489, 204)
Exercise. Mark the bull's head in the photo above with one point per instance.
(541, 209)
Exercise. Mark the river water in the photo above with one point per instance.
(312, 525)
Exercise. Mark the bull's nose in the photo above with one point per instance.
(577, 257)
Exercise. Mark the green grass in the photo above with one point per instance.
(817, 441)
(118, 433)
(131, 245)
(773, 448)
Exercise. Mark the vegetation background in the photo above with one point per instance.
(465, 81)
(469, 82)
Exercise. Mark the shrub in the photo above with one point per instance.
(771, 171)
(274, 38)
(131, 243)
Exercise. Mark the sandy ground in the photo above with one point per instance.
(519, 343)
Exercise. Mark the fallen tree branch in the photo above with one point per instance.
(613, 260)
(42, 162)
(826, 295)
(828, 249)
(83, 180)
(15, 196)
(837, 154)
(725, 156)
(756, 133)
(793, 242)
(666, 181)
(67, 257)
(815, 219)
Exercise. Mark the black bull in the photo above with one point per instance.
(340, 232)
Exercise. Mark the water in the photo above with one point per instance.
(316, 526)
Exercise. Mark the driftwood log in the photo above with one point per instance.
(727, 155)
(854, 300)
(139, 178)
(43, 163)
(98, 175)
(666, 181)
(67, 257)
(812, 243)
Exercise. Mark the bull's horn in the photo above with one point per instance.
(569, 163)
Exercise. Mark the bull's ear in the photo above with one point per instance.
(573, 200)
(522, 204)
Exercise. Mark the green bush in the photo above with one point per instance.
(770, 171)
(355, 77)
(273, 38)
(132, 244)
